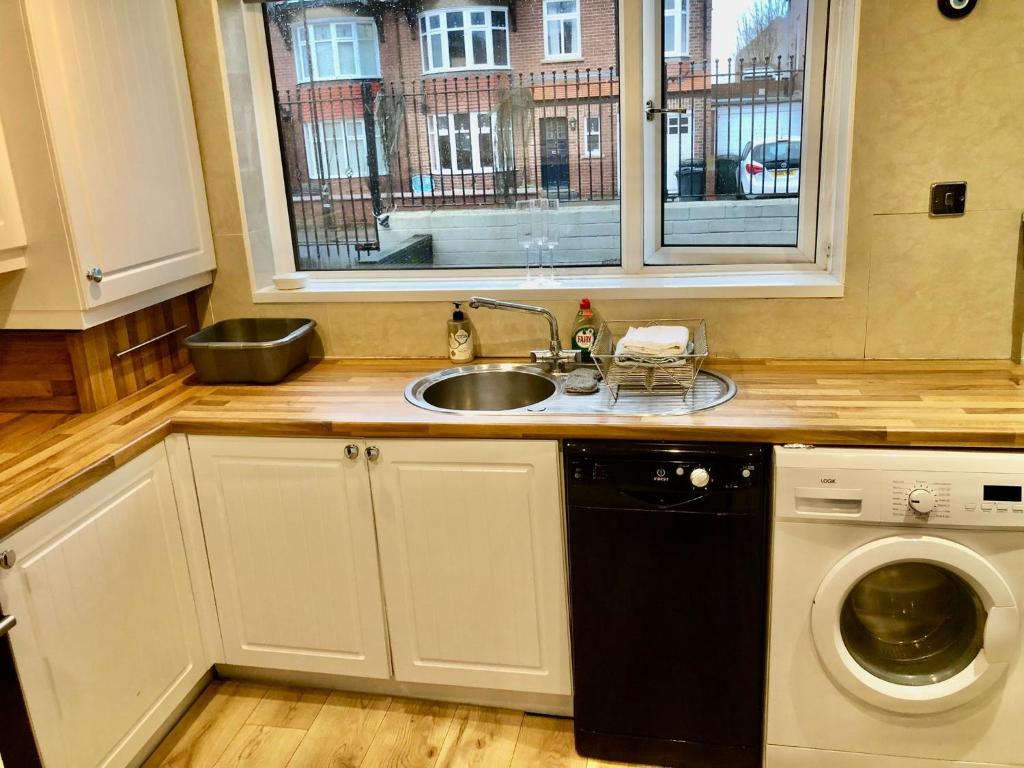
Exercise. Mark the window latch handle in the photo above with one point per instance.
(653, 111)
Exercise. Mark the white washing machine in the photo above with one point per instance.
(897, 579)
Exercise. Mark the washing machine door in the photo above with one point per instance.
(915, 624)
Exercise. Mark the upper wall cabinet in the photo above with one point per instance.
(114, 154)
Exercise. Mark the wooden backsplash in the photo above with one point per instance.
(69, 371)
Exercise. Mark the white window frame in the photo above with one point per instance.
(443, 126)
(639, 154)
(306, 67)
(587, 133)
(679, 17)
(349, 133)
(425, 32)
(562, 19)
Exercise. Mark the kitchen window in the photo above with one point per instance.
(341, 50)
(463, 141)
(464, 39)
(733, 183)
(336, 149)
(562, 29)
(677, 29)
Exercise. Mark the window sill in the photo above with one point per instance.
(561, 59)
(430, 288)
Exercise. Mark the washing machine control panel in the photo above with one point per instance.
(953, 499)
(915, 488)
(924, 499)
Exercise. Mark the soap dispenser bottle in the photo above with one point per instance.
(460, 337)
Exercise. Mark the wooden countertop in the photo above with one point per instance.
(45, 459)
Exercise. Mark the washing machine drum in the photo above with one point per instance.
(915, 624)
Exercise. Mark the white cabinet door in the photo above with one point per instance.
(293, 554)
(472, 555)
(107, 642)
(116, 96)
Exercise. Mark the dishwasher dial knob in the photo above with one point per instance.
(921, 501)
(700, 477)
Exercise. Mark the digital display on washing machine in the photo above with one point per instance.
(1002, 493)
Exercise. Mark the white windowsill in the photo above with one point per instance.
(432, 288)
(562, 59)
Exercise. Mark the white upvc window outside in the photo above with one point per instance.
(592, 123)
(677, 28)
(342, 150)
(462, 142)
(562, 29)
(460, 39)
(653, 264)
(342, 49)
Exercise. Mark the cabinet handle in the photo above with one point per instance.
(8, 559)
(372, 452)
(94, 275)
(7, 623)
(352, 451)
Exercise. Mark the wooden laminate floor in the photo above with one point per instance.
(235, 724)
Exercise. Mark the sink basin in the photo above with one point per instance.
(495, 388)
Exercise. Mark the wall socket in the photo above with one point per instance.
(949, 198)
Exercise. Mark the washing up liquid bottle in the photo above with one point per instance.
(584, 330)
(460, 337)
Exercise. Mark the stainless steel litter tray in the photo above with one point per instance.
(261, 350)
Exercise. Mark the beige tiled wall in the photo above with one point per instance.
(936, 100)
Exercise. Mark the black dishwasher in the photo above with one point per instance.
(668, 561)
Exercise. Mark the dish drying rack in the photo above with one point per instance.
(648, 375)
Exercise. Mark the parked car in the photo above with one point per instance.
(770, 168)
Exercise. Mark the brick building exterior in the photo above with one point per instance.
(385, 104)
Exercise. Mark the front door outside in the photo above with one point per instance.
(554, 153)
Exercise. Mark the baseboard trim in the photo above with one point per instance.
(545, 704)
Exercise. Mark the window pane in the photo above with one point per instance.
(368, 59)
(670, 34)
(457, 49)
(554, 40)
(500, 43)
(732, 161)
(325, 60)
(479, 47)
(347, 58)
(448, 153)
(568, 37)
(436, 57)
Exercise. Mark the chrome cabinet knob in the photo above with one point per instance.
(8, 559)
(352, 451)
(372, 452)
(94, 275)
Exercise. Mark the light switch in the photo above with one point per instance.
(949, 198)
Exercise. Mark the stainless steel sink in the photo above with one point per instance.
(518, 388)
(499, 387)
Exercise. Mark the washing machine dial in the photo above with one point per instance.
(921, 501)
(700, 477)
